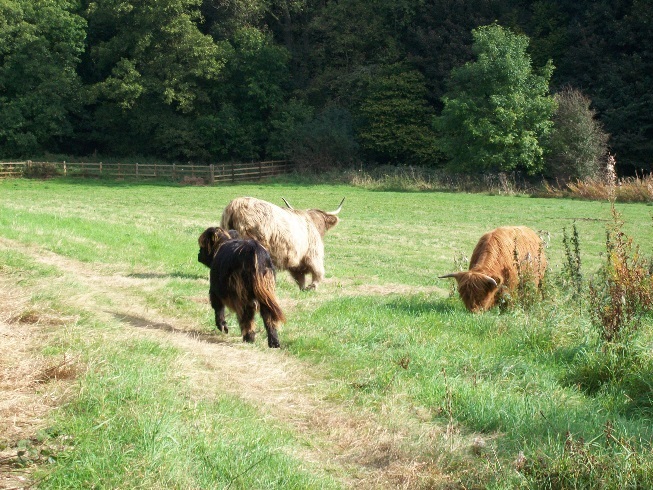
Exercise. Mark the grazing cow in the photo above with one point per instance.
(242, 278)
(293, 237)
(499, 258)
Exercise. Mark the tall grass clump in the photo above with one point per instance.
(412, 178)
(606, 187)
(620, 296)
(623, 289)
(571, 269)
(609, 364)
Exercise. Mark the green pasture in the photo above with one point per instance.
(383, 331)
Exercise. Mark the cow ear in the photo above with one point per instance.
(330, 221)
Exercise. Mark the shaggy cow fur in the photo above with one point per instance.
(496, 263)
(242, 278)
(293, 237)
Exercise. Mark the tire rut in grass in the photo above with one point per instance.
(354, 445)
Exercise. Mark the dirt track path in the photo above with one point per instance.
(371, 454)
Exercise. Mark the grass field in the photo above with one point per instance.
(384, 380)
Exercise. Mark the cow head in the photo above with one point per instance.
(477, 290)
(323, 220)
(210, 241)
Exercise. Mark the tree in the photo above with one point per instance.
(496, 110)
(40, 46)
(577, 146)
(251, 92)
(149, 70)
(396, 118)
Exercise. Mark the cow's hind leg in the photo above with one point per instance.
(218, 308)
(270, 326)
(246, 320)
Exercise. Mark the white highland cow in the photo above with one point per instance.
(292, 236)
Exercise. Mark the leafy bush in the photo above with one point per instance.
(577, 145)
(623, 290)
(497, 109)
(40, 170)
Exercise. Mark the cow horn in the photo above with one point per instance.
(284, 200)
(339, 207)
(455, 275)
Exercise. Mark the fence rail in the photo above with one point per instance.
(190, 173)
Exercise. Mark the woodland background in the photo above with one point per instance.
(325, 83)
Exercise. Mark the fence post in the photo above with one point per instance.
(233, 172)
(211, 174)
(260, 170)
(100, 168)
(174, 172)
(65, 170)
(136, 170)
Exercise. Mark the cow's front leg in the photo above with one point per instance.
(317, 275)
(218, 308)
(299, 275)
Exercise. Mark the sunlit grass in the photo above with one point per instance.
(382, 330)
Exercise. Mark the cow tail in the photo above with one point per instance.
(264, 284)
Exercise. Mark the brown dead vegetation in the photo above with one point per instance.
(31, 385)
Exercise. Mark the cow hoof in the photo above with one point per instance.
(310, 287)
(273, 344)
(249, 337)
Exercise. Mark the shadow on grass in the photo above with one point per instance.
(140, 322)
(173, 275)
(420, 305)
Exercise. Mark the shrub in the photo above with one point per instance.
(571, 269)
(40, 170)
(577, 144)
(623, 288)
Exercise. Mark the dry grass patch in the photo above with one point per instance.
(31, 385)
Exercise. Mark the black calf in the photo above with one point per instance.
(242, 278)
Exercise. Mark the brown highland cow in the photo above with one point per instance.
(499, 258)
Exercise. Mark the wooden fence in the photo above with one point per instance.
(189, 173)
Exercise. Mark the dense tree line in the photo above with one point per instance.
(330, 82)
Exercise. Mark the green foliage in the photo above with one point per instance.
(623, 289)
(396, 119)
(40, 46)
(577, 145)
(149, 73)
(252, 92)
(496, 110)
(322, 142)
(152, 50)
(571, 269)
